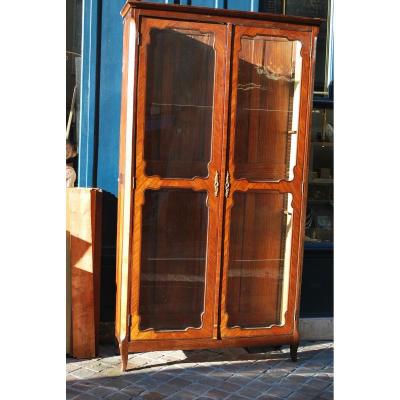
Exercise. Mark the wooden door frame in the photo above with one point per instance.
(296, 187)
(142, 182)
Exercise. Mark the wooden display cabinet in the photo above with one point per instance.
(214, 146)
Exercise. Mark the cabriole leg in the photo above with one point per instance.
(123, 349)
(293, 351)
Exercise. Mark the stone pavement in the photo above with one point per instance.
(233, 374)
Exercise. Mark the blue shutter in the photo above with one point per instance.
(109, 95)
(88, 92)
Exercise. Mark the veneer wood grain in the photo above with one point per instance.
(215, 118)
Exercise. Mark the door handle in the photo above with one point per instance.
(216, 184)
(227, 184)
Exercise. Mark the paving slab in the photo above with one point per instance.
(233, 374)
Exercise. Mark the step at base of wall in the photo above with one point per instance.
(316, 328)
(310, 329)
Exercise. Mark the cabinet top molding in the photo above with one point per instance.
(220, 12)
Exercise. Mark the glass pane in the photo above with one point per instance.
(319, 219)
(174, 248)
(259, 259)
(317, 9)
(179, 103)
(268, 101)
(271, 6)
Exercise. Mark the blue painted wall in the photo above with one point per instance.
(109, 95)
(101, 87)
(88, 92)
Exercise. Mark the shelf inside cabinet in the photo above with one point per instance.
(180, 105)
(322, 102)
(265, 110)
(315, 245)
(321, 181)
(325, 201)
(322, 144)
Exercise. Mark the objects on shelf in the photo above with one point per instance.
(320, 192)
(71, 156)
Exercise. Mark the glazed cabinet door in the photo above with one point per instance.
(177, 171)
(270, 89)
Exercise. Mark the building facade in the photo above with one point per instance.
(97, 73)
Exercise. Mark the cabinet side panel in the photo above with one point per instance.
(125, 177)
(307, 110)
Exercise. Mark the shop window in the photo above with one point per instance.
(310, 8)
(319, 219)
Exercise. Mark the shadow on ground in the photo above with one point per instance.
(205, 374)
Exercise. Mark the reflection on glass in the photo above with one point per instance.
(259, 259)
(173, 259)
(308, 8)
(179, 103)
(268, 101)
